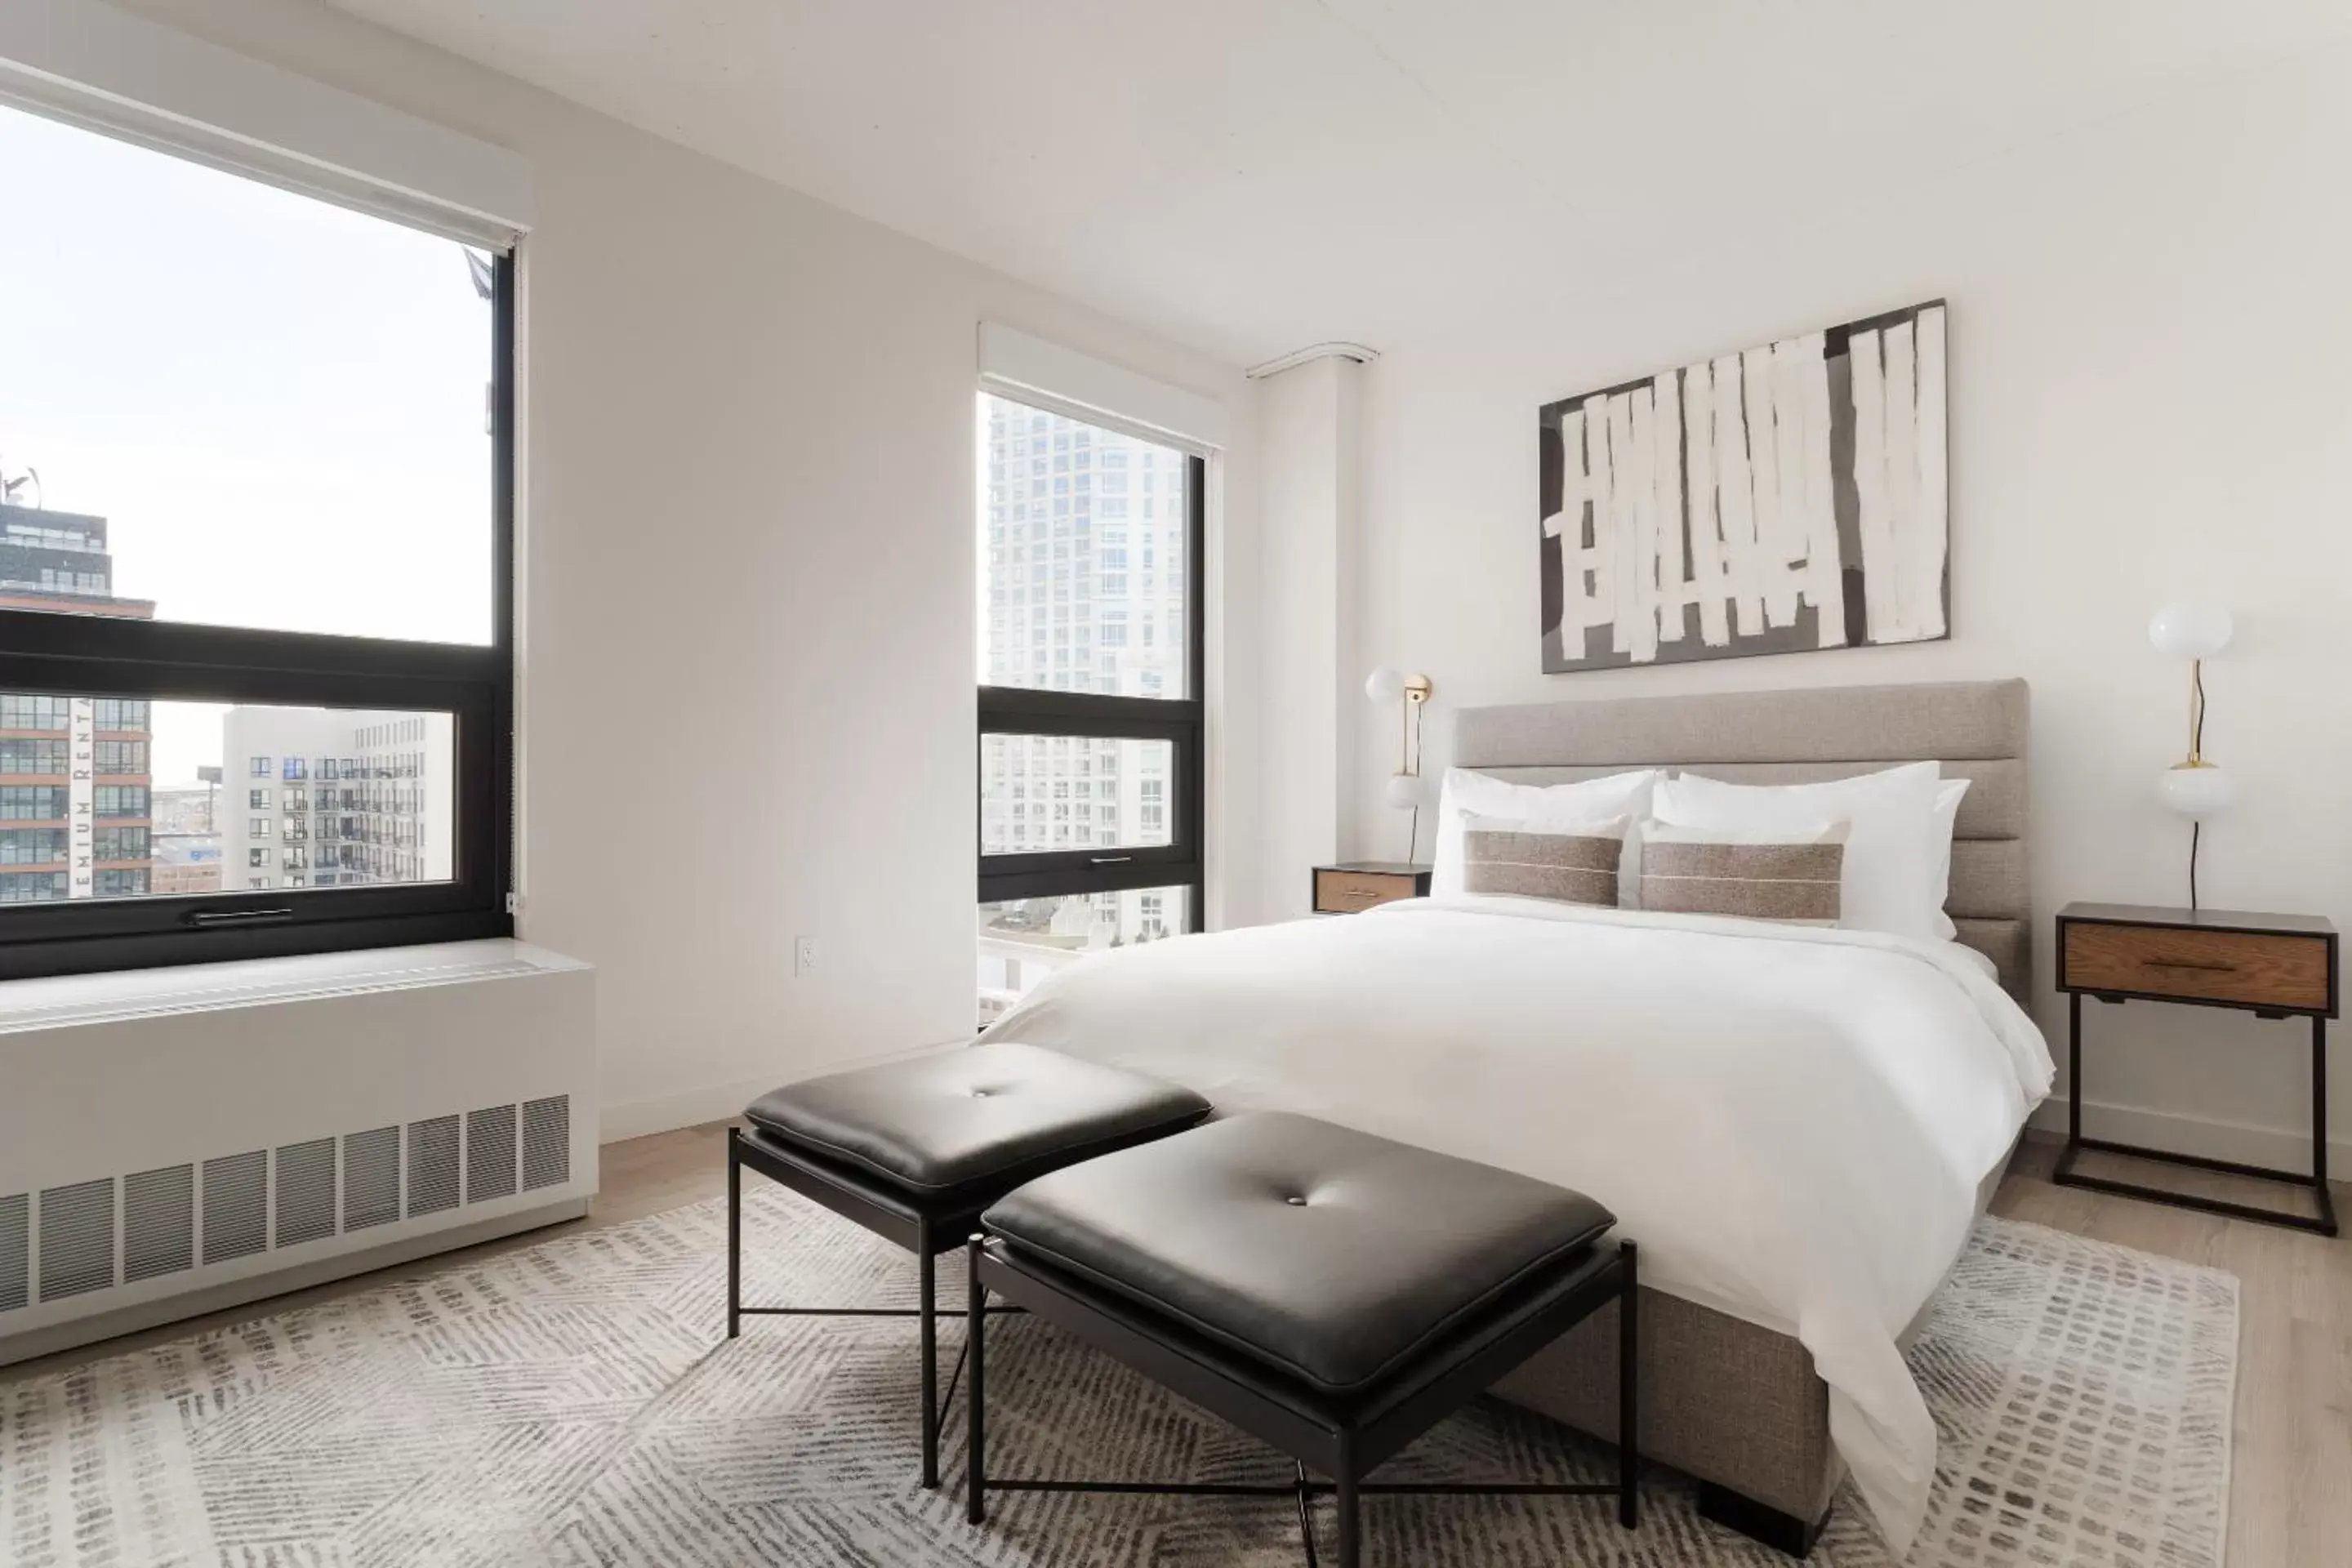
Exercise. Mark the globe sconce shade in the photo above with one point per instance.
(1406, 792)
(1386, 685)
(2198, 791)
(2190, 631)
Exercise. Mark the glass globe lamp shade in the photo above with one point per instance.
(1384, 685)
(2190, 631)
(2196, 793)
(1404, 791)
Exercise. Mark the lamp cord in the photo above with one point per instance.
(1412, 836)
(2195, 830)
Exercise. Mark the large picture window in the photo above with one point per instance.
(1090, 679)
(256, 549)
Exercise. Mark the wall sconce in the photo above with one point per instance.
(1405, 789)
(2193, 786)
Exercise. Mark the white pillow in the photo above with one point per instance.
(1541, 806)
(1948, 820)
(1891, 881)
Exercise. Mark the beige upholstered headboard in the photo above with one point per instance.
(1975, 728)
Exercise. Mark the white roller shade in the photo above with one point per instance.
(92, 65)
(1033, 371)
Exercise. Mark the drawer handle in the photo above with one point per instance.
(2206, 964)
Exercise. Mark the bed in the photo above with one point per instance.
(1799, 1125)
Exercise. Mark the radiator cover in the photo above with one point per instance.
(172, 1141)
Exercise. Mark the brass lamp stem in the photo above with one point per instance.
(2195, 712)
(1416, 697)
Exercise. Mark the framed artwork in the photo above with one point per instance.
(1786, 498)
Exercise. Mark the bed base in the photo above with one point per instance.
(1735, 1406)
(1759, 1522)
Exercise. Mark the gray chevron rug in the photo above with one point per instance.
(573, 1403)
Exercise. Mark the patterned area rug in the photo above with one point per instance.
(573, 1402)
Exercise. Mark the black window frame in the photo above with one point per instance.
(1181, 862)
(47, 653)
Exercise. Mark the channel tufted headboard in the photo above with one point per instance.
(1977, 729)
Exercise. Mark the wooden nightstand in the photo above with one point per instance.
(2274, 966)
(1353, 885)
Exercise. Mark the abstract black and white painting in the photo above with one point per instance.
(1788, 497)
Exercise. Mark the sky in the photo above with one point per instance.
(277, 403)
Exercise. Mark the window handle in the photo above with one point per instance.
(205, 917)
(1108, 859)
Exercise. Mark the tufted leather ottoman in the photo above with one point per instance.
(1333, 1293)
(915, 1150)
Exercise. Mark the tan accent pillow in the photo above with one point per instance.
(1789, 874)
(1567, 863)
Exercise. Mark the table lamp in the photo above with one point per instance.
(1405, 789)
(2193, 786)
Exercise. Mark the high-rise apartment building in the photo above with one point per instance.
(323, 798)
(75, 772)
(1086, 537)
(59, 560)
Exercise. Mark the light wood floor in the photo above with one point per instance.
(2291, 1482)
(2291, 1500)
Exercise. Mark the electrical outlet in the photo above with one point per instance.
(803, 955)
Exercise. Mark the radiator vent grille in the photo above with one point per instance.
(15, 1252)
(236, 1206)
(432, 1165)
(305, 1191)
(159, 1223)
(371, 1178)
(489, 1154)
(546, 1142)
(77, 1239)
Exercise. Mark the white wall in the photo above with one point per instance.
(2151, 376)
(747, 549)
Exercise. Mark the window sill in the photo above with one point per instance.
(116, 995)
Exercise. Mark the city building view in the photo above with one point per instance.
(324, 798)
(186, 837)
(289, 797)
(75, 817)
(1084, 540)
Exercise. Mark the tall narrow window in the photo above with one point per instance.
(256, 454)
(1090, 761)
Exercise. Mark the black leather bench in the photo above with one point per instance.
(914, 1150)
(1334, 1294)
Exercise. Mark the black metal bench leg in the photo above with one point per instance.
(975, 1508)
(1350, 1534)
(1628, 1390)
(930, 1353)
(734, 1234)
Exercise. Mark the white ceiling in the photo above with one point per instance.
(1252, 176)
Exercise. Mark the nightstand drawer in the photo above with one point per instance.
(2256, 969)
(1345, 892)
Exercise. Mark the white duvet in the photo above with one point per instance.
(1792, 1120)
